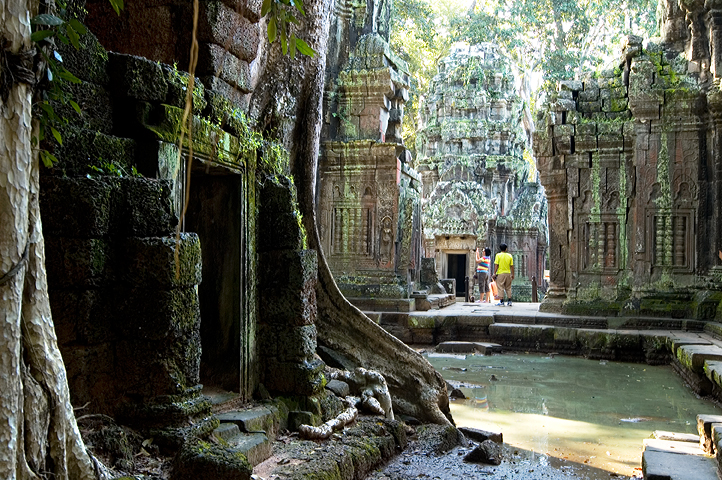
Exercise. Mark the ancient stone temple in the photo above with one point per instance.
(368, 206)
(479, 187)
(631, 163)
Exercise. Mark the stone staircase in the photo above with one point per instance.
(680, 456)
(249, 431)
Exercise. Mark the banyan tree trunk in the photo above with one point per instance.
(416, 388)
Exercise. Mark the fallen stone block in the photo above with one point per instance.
(487, 452)
(478, 435)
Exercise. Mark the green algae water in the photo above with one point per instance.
(571, 409)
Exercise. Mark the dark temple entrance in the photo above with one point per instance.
(456, 268)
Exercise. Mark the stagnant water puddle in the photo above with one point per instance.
(585, 411)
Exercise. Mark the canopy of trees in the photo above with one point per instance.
(548, 40)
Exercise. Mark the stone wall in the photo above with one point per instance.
(126, 311)
(630, 160)
(476, 178)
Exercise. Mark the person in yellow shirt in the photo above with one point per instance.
(504, 271)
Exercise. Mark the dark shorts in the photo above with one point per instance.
(483, 279)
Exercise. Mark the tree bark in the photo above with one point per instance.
(37, 424)
(416, 388)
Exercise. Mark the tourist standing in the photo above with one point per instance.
(483, 263)
(504, 271)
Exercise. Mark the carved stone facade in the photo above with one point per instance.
(368, 210)
(632, 167)
(476, 177)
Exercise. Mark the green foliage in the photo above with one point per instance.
(67, 29)
(418, 36)
(557, 37)
(281, 14)
(113, 169)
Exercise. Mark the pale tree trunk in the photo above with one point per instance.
(39, 437)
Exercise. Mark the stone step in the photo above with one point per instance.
(675, 340)
(252, 420)
(226, 431)
(468, 347)
(255, 446)
(705, 426)
(693, 357)
(665, 465)
(676, 437)
(713, 371)
(669, 446)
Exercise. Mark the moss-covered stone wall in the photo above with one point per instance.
(633, 181)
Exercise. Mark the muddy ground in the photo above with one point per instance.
(419, 461)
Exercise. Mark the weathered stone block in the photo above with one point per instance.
(236, 97)
(222, 25)
(75, 262)
(279, 223)
(78, 207)
(614, 104)
(563, 145)
(156, 315)
(287, 343)
(199, 459)
(92, 375)
(563, 130)
(151, 261)
(157, 368)
(137, 78)
(287, 282)
(588, 107)
(83, 317)
(585, 143)
(610, 142)
(94, 102)
(178, 82)
(292, 377)
(586, 128)
(571, 85)
(149, 208)
(214, 60)
(89, 63)
(83, 150)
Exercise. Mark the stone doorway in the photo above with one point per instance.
(456, 267)
(217, 211)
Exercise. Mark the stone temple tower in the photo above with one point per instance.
(479, 180)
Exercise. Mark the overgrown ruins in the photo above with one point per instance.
(630, 160)
(475, 167)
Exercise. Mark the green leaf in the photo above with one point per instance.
(46, 19)
(115, 6)
(66, 75)
(63, 38)
(75, 106)
(272, 30)
(47, 158)
(299, 5)
(73, 36)
(57, 135)
(77, 26)
(266, 7)
(304, 48)
(41, 35)
(47, 109)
